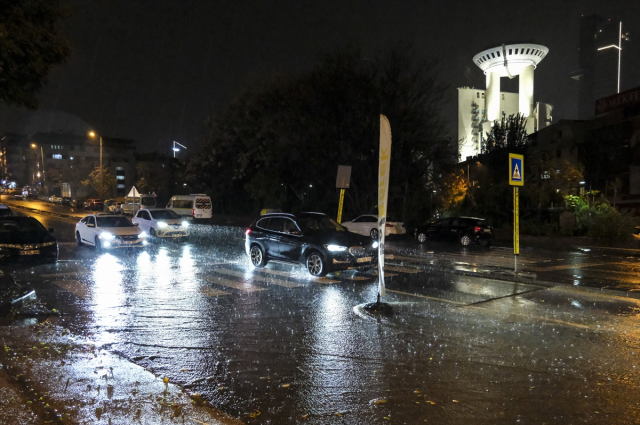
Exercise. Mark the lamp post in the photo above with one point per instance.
(34, 145)
(93, 135)
(176, 149)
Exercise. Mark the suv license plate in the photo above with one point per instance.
(30, 252)
(364, 260)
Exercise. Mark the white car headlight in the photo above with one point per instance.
(106, 236)
(185, 224)
(336, 248)
(143, 235)
(162, 224)
(374, 244)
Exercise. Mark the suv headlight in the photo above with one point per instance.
(162, 224)
(185, 223)
(106, 236)
(336, 248)
(375, 244)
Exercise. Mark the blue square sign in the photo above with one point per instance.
(516, 169)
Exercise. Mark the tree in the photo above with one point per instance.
(453, 190)
(510, 133)
(102, 183)
(30, 46)
(281, 145)
(158, 175)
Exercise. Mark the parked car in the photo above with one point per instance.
(313, 240)
(5, 210)
(195, 206)
(109, 231)
(93, 204)
(636, 233)
(162, 223)
(55, 199)
(465, 230)
(66, 200)
(25, 239)
(368, 225)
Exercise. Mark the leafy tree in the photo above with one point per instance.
(102, 183)
(510, 133)
(281, 145)
(30, 46)
(453, 190)
(158, 175)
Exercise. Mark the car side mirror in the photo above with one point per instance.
(136, 224)
(91, 225)
(51, 229)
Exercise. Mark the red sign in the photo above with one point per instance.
(620, 100)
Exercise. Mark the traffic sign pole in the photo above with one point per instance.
(340, 206)
(516, 179)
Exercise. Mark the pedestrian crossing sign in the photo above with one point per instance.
(516, 171)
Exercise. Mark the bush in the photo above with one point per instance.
(598, 219)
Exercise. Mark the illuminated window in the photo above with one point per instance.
(120, 186)
(119, 177)
(56, 156)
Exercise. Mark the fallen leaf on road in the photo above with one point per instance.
(285, 385)
(165, 380)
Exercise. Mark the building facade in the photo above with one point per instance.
(57, 163)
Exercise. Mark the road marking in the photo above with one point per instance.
(242, 286)
(260, 279)
(210, 292)
(62, 274)
(563, 267)
(402, 269)
(356, 277)
(297, 275)
(77, 288)
(425, 296)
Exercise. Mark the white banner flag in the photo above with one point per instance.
(384, 171)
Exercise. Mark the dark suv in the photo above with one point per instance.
(311, 239)
(464, 230)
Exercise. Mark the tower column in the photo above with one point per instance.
(525, 100)
(492, 98)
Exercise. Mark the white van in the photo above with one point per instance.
(197, 205)
(131, 205)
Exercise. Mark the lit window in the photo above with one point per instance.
(120, 168)
(119, 177)
(120, 186)
(56, 156)
(71, 158)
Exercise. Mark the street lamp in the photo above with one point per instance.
(176, 149)
(93, 136)
(33, 145)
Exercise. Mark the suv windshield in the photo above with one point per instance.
(113, 222)
(319, 222)
(164, 215)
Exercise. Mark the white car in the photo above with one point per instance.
(109, 231)
(368, 225)
(162, 223)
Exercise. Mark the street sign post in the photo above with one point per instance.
(516, 179)
(342, 182)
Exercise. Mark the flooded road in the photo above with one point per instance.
(275, 346)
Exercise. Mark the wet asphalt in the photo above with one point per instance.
(276, 346)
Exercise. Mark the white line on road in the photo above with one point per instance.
(259, 279)
(242, 286)
(75, 287)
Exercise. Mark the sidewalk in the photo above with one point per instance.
(49, 376)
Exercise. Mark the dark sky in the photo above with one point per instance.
(153, 70)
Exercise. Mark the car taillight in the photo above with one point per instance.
(477, 229)
(247, 232)
(193, 212)
(389, 225)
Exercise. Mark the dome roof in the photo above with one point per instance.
(518, 57)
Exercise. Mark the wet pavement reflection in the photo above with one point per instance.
(276, 346)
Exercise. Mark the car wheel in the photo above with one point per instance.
(316, 264)
(257, 256)
(465, 240)
(152, 232)
(98, 245)
(422, 237)
(486, 242)
(374, 234)
(78, 239)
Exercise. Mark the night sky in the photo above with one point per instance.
(153, 70)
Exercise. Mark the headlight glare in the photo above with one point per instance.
(185, 223)
(336, 248)
(374, 244)
(143, 235)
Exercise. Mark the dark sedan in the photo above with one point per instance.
(464, 230)
(311, 239)
(25, 239)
